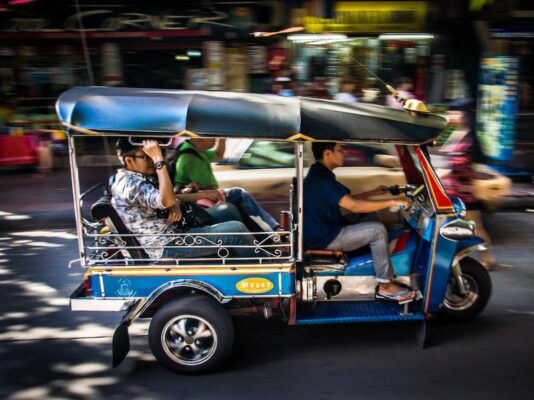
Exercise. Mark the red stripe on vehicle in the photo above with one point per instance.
(402, 242)
(438, 193)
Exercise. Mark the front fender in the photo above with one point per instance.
(466, 245)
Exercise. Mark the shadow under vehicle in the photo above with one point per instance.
(191, 300)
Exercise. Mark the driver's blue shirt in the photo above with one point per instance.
(322, 216)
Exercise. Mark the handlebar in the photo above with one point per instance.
(408, 190)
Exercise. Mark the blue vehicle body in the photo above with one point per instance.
(426, 249)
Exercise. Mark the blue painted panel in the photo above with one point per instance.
(353, 311)
(464, 244)
(142, 286)
(445, 252)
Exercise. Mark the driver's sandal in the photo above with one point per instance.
(397, 297)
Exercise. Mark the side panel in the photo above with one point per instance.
(440, 259)
(230, 282)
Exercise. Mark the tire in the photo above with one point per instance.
(191, 335)
(478, 284)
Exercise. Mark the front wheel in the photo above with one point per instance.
(191, 335)
(477, 283)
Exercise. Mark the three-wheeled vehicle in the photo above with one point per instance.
(191, 300)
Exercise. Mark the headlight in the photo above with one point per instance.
(458, 229)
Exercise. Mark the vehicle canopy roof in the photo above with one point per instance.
(158, 112)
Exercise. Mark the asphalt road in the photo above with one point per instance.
(46, 351)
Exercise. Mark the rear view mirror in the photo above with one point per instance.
(386, 160)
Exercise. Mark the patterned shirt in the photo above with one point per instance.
(137, 202)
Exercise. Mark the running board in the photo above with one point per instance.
(356, 311)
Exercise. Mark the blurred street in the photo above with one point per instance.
(452, 78)
(50, 352)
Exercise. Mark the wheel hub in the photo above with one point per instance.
(189, 339)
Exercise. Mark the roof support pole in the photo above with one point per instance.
(76, 196)
(299, 153)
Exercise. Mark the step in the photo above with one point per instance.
(337, 312)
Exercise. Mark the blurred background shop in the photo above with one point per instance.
(464, 55)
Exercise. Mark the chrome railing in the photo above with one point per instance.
(111, 249)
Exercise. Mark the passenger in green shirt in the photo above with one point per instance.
(194, 164)
(193, 167)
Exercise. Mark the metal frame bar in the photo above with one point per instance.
(76, 196)
(267, 253)
(299, 160)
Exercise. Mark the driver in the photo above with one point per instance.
(324, 227)
(137, 202)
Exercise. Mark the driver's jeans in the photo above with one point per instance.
(375, 235)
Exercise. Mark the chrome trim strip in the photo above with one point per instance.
(80, 302)
(102, 289)
(109, 305)
(139, 307)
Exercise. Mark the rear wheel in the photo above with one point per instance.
(191, 335)
(477, 283)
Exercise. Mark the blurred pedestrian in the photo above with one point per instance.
(404, 87)
(318, 88)
(282, 86)
(346, 91)
(463, 151)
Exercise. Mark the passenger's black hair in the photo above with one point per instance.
(124, 146)
(318, 149)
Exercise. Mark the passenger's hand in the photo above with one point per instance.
(152, 149)
(211, 195)
(175, 213)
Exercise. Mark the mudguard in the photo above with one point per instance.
(465, 245)
(121, 338)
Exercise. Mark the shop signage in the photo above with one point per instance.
(134, 16)
(109, 21)
(497, 106)
(372, 16)
(213, 62)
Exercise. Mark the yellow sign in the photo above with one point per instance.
(372, 16)
(254, 285)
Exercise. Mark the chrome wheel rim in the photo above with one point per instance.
(189, 340)
(458, 302)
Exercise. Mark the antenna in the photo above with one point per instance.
(408, 104)
(84, 44)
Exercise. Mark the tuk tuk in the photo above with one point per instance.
(191, 300)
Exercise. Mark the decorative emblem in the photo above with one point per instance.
(125, 288)
(254, 285)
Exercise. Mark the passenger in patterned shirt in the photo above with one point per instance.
(138, 201)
